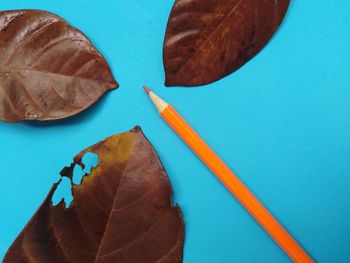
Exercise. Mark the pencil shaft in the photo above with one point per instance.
(235, 186)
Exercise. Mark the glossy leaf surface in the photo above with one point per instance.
(121, 212)
(48, 69)
(209, 39)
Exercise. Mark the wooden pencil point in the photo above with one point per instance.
(147, 90)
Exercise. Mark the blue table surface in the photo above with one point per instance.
(282, 122)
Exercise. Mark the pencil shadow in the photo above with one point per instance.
(81, 117)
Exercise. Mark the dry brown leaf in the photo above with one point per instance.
(48, 69)
(209, 39)
(121, 212)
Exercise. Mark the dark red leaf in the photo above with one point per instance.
(209, 39)
(121, 212)
(48, 69)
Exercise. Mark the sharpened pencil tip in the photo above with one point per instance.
(148, 91)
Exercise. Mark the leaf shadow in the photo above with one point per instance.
(81, 117)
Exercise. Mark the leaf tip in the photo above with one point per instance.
(169, 82)
(137, 128)
(114, 84)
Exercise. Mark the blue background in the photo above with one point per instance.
(282, 122)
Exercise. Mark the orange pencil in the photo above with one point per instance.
(230, 180)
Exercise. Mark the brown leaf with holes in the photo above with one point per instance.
(209, 39)
(48, 69)
(121, 212)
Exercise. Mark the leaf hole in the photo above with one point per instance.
(89, 161)
(73, 175)
(63, 193)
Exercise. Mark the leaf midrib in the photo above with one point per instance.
(114, 201)
(24, 69)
